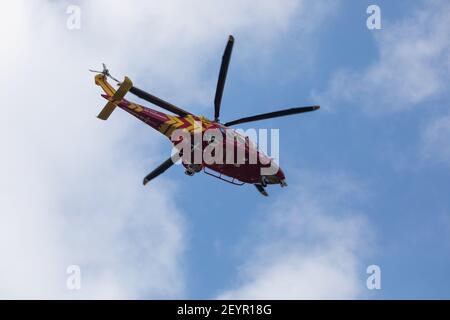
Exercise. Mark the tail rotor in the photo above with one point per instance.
(106, 73)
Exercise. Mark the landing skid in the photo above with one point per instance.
(261, 190)
(224, 178)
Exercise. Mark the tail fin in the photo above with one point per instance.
(116, 96)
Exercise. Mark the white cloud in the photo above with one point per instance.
(309, 246)
(411, 72)
(436, 141)
(70, 192)
(70, 189)
(413, 65)
(178, 44)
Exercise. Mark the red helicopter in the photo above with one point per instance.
(235, 172)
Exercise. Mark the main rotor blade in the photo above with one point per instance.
(222, 77)
(162, 167)
(159, 102)
(270, 115)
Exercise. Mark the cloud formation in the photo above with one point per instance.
(309, 246)
(413, 66)
(412, 71)
(70, 190)
(436, 141)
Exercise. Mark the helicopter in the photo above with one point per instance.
(184, 125)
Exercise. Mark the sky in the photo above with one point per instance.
(368, 174)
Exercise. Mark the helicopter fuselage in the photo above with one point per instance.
(238, 169)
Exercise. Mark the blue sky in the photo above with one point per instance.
(405, 205)
(368, 174)
(408, 204)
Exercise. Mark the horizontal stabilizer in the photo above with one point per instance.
(116, 98)
(107, 110)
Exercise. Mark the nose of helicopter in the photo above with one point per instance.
(280, 174)
(277, 178)
(281, 178)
